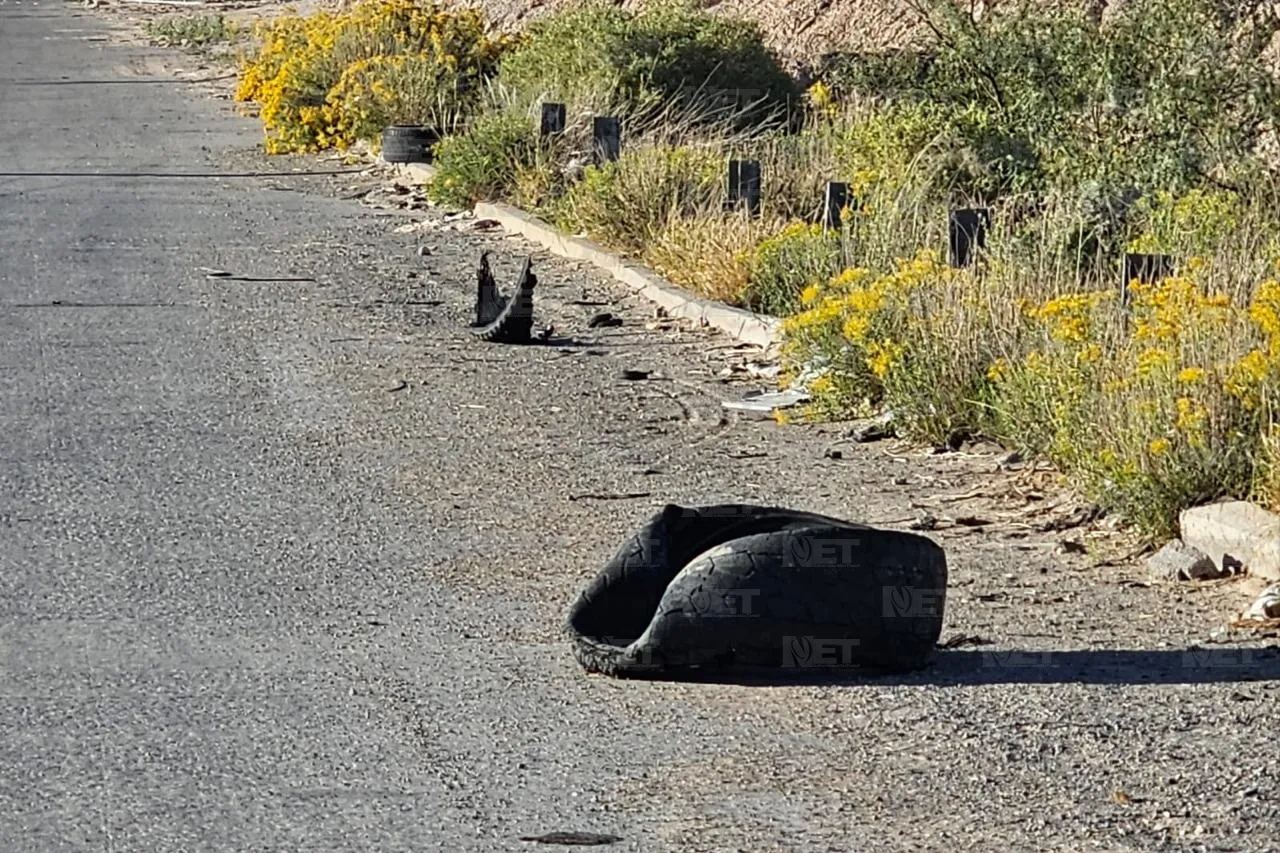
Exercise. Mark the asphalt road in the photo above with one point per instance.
(283, 557)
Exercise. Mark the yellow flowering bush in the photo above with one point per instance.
(327, 79)
(1152, 407)
(911, 339)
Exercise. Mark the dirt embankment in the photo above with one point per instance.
(797, 29)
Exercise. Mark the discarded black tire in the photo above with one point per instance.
(744, 587)
(406, 143)
(514, 322)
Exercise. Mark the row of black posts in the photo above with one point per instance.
(967, 227)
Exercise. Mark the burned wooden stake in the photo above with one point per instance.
(607, 137)
(744, 185)
(1147, 269)
(552, 119)
(834, 199)
(967, 233)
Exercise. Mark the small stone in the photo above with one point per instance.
(1010, 459)
(1178, 561)
(602, 320)
(924, 522)
(1067, 546)
(899, 481)
(872, 430)
(423, 251)
(832, 453)
(636, 375)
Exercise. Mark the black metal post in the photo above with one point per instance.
(552, 119)
(744, 185)
(834, 199)
(967, 233)
(607, 137)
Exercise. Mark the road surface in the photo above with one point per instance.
(284, 554)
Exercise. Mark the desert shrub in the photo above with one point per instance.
(782, 267)
(916, 339)
(1166, 94)
(1151, 409)
(636, 62)
(193, 32)
(486, 161)
(403, 89)
(628, 202)
(709, 253)
(327, 79)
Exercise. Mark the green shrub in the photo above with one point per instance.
(783, 267)
(1168, 94)
(193, 32)
(484, 162)
(633, 63)
(627, 203)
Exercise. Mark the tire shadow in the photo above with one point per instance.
(1194, 665)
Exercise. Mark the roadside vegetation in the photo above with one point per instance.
(194, 33)
(1151, 132)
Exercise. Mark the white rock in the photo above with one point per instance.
(1178, 561)
(1235, 534)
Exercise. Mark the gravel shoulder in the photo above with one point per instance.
(486, 484)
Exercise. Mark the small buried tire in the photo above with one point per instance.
(408, 143)
(761, 588)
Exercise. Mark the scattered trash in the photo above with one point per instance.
(1067, 546)
(423, 251)
(603, 320)
(832, 453)
(1009, 460)
(763, 371)
(962, 640)
(1079, 518)
(924, 522)
(573, 839)
(399, 386)
(624, 496)
(873, 429)
(636, 375)
(484, 224)
(762, 404)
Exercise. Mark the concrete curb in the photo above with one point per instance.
(756, 329)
